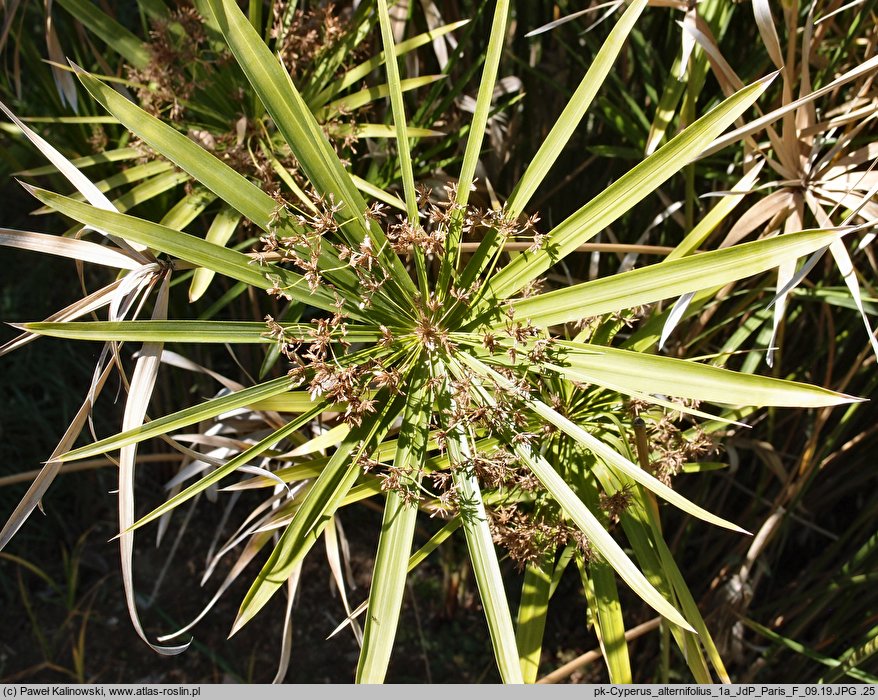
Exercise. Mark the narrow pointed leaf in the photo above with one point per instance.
(717, 214)
(324, 497)
(94, 301)
(205, 167)
(687, 602)
(760, 123)
(190, 248)
(623, 194)
(377, 193)
(301, 131)
(480, 545)
(53, 467)
(139, 393)
(181, 419)
(598, 536)
(531, 622)
(486, 568)
(168, 331)
(608, 611)
(475, 138)
(109, 30)
(232, 465)
(677, 313)
(85, 187)
(110, 156)
(595, 445)
(765, 24)
(575, 110)
(645, 536)
(395, 543)
(669, 279)
(358, 73)
(396, 87)
(846, 268)
(221, 229)
(602, 594)
(366, 96)
(64, 82)
(666, 107)
(652, 374)
(68, 247)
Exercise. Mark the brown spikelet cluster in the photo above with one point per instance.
(439, 215)
(495, 468)
(431, 335)
(299, 239)
(504, 417)
(533, 538)
(502, 470)
(312, 241)
(521, 340)
(98, 140)
(622, 320)
(405, 236)
(616, 504)
(176, 43)
(403, 481)
(301, 35)
(671, 447)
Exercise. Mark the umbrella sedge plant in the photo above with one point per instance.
(446, 382)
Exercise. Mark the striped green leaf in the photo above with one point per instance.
(623, 194)
(395, 89)
(182, 331)
(210, 171)
(590, 526)
(602, 541)
(598, 447)
(363, 97)
(324, 497)
(624, 370)
(486, 567)
(575, 110)
(109, 156)
(180, 419)
(642, 528)
(531, 622)
(475, 138)
(109, 30)
(221, 229)
(599, 583)
(358, 73)
(302, 132)
(669, 279)
(196, 250)
(395, 543)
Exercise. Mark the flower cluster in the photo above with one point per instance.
(176, 44)
(671, 446)
(316, 244)
(531, 538)
(301, 35)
